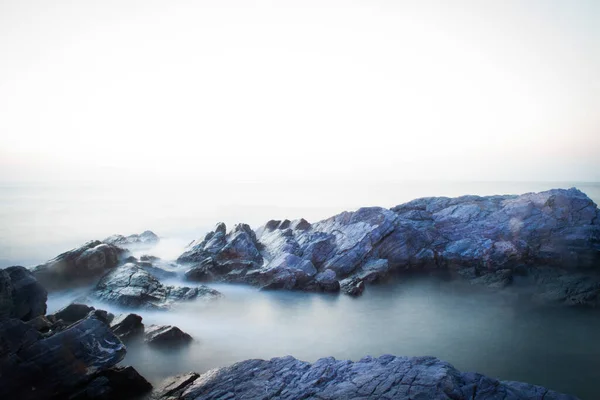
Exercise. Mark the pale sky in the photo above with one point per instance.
(299, 90)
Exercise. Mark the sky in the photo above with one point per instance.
(273, 91)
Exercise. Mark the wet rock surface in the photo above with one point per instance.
(131, 286)
(386, 377)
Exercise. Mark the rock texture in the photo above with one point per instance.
(127, 327)
(33, 367)
(144, 239)
(386, 377)
(481, 238)
(81, 265)
(166, 336)
(21, 296)
(131, 286)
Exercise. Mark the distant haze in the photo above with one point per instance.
(272, 91)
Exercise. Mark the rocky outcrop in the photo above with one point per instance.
(481, 238)
(127, 327)
(166, 336)
(81, 265)
(221, 253)
(33, 367)
(21, 296)
(144, 239)
(132, 287)
(385, 377)
(117, 383)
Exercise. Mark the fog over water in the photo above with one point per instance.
(501, 334)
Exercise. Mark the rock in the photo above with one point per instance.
(238, 247)
(117, 383)
(386, 377)
(131, 286)
(40, 324)
(560, 286)
(497, 280)
(327, 281)
(144, 239)
(166, 336)
(21, 296)
(352, 286)
(79, 266)
(149, 258)
(72, 313)
(102, 315)
(470, 236)
(373, 270)
(42, 368)
(127, 326)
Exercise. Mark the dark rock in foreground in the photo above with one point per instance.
(481, 238)
(36, 368)
(21, 296)
(386, 377)
(81, 265)
(131, 286)
(146, 238)
(166, 336)
(117, 383)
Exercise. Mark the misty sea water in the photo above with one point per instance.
(501, 334)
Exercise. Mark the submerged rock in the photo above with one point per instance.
(81, 265)
(21, 296)
(386, 377)
(166, 336)
(131, 286)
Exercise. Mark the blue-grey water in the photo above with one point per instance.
(501, 334)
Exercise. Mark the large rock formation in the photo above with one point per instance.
(386, 377)
(81, 265)
(476, 236)
(131, 286)
(21, 296)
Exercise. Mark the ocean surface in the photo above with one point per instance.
(501, 334)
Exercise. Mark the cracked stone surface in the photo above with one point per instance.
(385, 377)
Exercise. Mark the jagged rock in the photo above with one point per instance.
(474, 236)
(327, 281)
(385, 377)
(35, 368)
(166, 336)
(127, 326)
(131, 286)
(146, 238)
(117, 383)
(560, 286)
(231, 254)
(102, 315)
(159, 272)
(352, 286)
(21, 296)
(287, 272)
(72, 313)
(81, 265)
